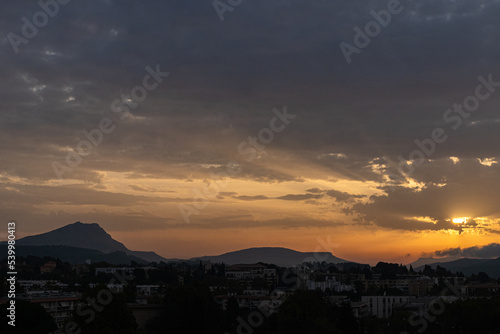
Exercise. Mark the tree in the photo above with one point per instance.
(101, 311)
(483, 277)
(232, 313)
(478, 315)
(188, 309)
(305, 312)
(428, 271)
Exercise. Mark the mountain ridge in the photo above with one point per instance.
(431, 260)
(91, 241)
(280, 256)
(86, 236)
(470, 266)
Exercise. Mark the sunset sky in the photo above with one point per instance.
(176, 171)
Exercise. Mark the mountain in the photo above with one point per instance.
(81, 235)
(87, 236)
(430, 260)
(276, 255)
(470, 266)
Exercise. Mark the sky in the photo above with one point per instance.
(364, 128)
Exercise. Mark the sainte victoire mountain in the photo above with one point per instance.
(78, 242)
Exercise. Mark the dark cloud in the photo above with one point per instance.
(342, 196)
(251, 198)
(247, 220)
(72, 195)
(484, 252)
(299, 197)
(339, 196)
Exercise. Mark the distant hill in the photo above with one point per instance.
(73, 255)
(276, 255)
(470, 266)
(429, 260)
(85, 236)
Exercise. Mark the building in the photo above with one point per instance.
(264, 303)
(486, 289)
(145, 312)
(360, 309)
(81, 268)
(246, 273)
(127, 271)
(401, 284)
(420, 288)
(34, 284)
(382, 306)
(48, 267)
(328, 282)
(58, 306)
(147, 290)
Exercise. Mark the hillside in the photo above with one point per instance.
(471, 266)
(276, 255)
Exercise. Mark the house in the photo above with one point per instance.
(486, 289)
(382, 306)
(269, 304)
(246, 273)
(59, 306)
(360, 309)
(48, 267)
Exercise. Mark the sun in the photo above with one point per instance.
(460, 220)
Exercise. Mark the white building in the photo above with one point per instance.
(111, 270)
(127, 271)
(147, 290)
(382, 306)
(248, 272)
(329, 282)
(60, 307)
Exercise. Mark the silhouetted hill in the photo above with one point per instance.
(81, 235)
(430, 260)
(85, 236)
(276, 255)
(471, 266)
